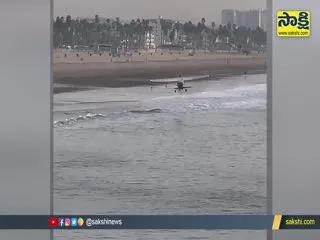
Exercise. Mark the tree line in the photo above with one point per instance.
(70, 31)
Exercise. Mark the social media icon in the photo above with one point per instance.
(53, 222)
(67, 222)
(80, 222)
(73, 222)
(61, 222)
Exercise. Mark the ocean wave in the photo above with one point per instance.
(246, 104)
(89, 116)
(77, 119)
(242, 97)
(153, 110)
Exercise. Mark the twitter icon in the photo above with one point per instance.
(74, 222)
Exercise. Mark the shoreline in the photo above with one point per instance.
(74, 88)
(78, 76)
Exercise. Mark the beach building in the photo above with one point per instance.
(150, 40)
(104, 48)
(153, 38)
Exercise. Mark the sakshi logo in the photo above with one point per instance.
(293, 23)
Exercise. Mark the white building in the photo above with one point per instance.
(263, 20)
(150, 41)
(153, 39)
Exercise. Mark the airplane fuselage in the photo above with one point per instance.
(180, 85)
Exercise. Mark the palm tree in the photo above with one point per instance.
(68, 20)
(172, 35)
(68, 31)
(58, 32)
(241, 36)
(96, 19)
(258, 36)
(132, 32)
(165, 26)
(213, 25)
(203, 21)
(191, 31)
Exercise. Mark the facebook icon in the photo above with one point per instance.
(61, 222)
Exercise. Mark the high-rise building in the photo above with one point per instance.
(263, 20)
(240, 19)
(153, 38)
(228, 16)
(250, 18)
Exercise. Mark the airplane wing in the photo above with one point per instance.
(168, 80)
(165, 80)
(192, 78)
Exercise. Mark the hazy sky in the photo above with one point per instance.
(131, 9)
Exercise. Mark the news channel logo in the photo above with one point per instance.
(293, 23)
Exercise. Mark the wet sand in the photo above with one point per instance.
(85, 71)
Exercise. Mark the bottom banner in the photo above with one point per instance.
(208, 222)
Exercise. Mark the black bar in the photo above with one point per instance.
(209, 222)
(254, 222)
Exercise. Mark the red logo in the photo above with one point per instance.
(53, 222)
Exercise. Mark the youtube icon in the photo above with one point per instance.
(53, 222)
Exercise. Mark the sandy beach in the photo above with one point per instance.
(79, 70)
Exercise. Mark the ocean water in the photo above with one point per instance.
(152, 151)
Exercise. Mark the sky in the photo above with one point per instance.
(181, 10)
